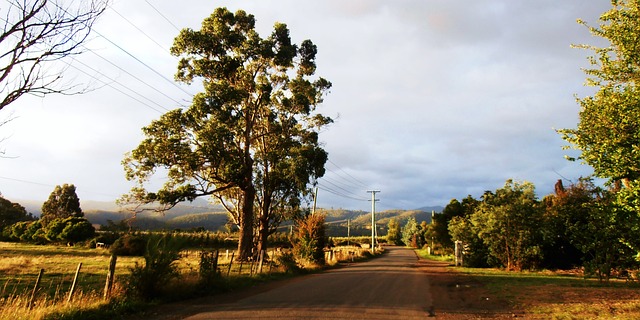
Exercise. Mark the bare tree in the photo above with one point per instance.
(37, 33)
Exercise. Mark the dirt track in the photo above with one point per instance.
(395, 286)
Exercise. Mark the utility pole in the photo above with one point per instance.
(373, 219)
(348, 232)
(315, 201)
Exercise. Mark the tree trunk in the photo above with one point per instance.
(263, 233)
(245, 241)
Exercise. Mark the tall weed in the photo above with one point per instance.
(147, 281)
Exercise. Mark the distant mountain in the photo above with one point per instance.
(200, 213)
(88, 206)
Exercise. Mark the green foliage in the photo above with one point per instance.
(251, 134)
(411, 235)
(508, 222)
(11, 212)
(208, 268)
(129, 245)
(608, 137)
(565, 212)
(476, 253)
(455, 208)
(28, 231)
(608, 237)
(310, 239)
(76, 230)
(288, 262)
(63, 202)
(607, 134)
(71, 229)
(148, 281)
(394, 232)
(581, 225)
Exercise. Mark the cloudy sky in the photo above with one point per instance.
(433, 100)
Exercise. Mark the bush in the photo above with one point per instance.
(129, 245)
(310, 239)
(76, 230)
(288, 262)
(208, 267)
(148, 281)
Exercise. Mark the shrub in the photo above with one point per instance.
(288, 262)
(129, 245)
(208, 267)
(310, 239)
(148, 281)
(71, 229)
(76, 230)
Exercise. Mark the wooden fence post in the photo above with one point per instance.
(230, 263)
(215, 266)
(35, 289)
(261, 261)
(110, 276)
(75, 281)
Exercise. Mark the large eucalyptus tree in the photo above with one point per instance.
(251, 134)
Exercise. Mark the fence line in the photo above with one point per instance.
(225, 265)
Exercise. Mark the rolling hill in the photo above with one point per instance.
(201, 214)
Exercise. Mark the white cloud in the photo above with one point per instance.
(433, 100)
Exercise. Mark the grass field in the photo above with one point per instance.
(558, 295)
(21, 263)
(561, 295)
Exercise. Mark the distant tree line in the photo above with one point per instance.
(62, 220)
(580, 226)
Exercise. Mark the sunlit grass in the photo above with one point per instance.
(561, 295)
(424, 253)
(21, 263)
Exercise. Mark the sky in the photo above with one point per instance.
(432, 100)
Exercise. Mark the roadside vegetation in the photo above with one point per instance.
(168, 270)
(559, 294)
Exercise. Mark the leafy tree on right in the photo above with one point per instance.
(608, 133)
(608, 136)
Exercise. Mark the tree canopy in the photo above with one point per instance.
(11, 212)
(252, 132)
(63, 203)
(608, 132)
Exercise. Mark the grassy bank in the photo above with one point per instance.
(562, 295)
(558, 295)
(21, 263)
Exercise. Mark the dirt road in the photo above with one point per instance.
(394, 286)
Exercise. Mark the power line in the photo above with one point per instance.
(143, 63)
(117, 89)
(343, 189)
(340, 194)
(346, 173)
(135, 77)
(162, 15)
(52, 186)
(340, 180)
(141, 31)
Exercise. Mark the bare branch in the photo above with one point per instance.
(37, 33)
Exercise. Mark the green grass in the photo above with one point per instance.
(423, 253)
(21, 263)
(554, 295)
